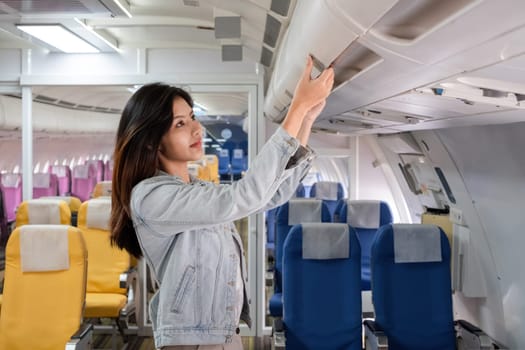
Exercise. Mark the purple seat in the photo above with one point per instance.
(108, 170)
(44, 184)
(4, 228)
(83, 181)
(99, 168)
(12, 188)
(63, 173)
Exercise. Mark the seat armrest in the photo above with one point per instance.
(278, 336)
(375, 338)
(471, 337)
(82, 339)
(127, 277)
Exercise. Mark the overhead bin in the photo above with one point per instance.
(325, 30)
(429, 31)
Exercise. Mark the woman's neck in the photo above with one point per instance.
(178, 169)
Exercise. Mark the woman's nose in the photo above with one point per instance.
(197, 127)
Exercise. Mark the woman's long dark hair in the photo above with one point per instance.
(148, 115)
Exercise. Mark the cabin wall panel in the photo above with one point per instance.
(10, 64)
(491, 163)
(373, 184)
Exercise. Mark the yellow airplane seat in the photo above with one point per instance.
(212, 163)
(106, 296)
(102, 189)
(42, 211)
(44, 289)
(74, 204)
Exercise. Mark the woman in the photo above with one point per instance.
(183, 226)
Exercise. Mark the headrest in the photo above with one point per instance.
(104, 188)
(364, 214)
(326, 241)
(73, 202)
(42, 180)
(43, 211)
(237, 153)
(98, 213)
(327, 190)
(44, 248)
(210, 158)
(11, 180)
(224, 152)
(81, 171)
(193, 169)
(59, 170)
(304, 210)
(416, 243)
(97, 164)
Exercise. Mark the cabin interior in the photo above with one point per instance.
(426, 115)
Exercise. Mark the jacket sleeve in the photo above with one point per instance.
(301, 163)
(168, 207)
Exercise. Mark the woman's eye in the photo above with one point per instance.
(179, 124)
(193, 117)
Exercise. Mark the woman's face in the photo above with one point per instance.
(183, 141)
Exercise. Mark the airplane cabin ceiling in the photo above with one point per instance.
(154, 24)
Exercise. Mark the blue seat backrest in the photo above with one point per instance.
(328, 191)
(301, 211)
(365, 216)
(238, 161)
(224, 161)
(300, 192)
(411, 288)
(322, 296)
(270, 219)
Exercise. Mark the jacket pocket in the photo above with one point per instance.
(183, 289)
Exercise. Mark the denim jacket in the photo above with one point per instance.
(187, 236)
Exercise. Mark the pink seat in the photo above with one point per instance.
(4, 229)
(12, 188)
(108, 170)
(44, 184)
(83, 181)
(63, 173)
(99, 168)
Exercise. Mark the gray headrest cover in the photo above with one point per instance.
(363, 214)
(416, 243)
(326, 190)
(304, 210)
(326, 241)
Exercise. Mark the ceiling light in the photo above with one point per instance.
(58, 37)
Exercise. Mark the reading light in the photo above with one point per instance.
(58, 37)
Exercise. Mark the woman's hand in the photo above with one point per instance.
(314, 112)
(311, 92)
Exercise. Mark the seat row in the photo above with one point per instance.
(410, 282)
(11, 198)
(47, 263)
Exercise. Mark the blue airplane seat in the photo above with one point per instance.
(270, 228)
(330, 192)
(365, 216)
(270, 221)
(337, 211)
(295, 211)
(238, 161)
(300, 191)
(411, 288)
(224, 161)
(322, 296)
